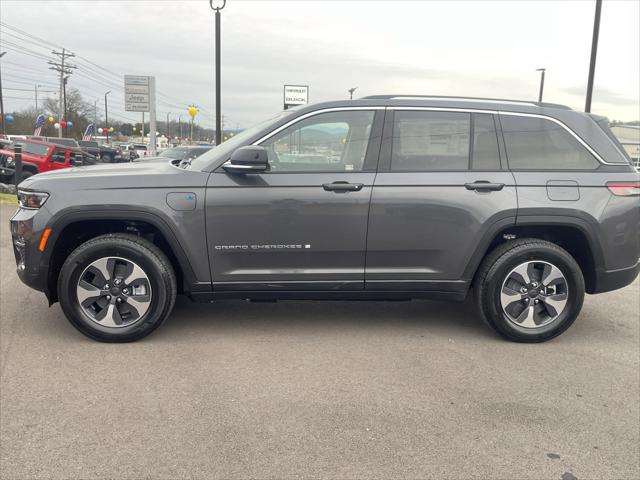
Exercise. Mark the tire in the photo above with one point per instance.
(105, 157)
(151, 294)
(533, 311)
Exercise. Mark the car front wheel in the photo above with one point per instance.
(529, 290)
(117, 288)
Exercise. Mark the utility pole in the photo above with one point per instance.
(64, 69)
(594, 50)
(180, 127)
(168, 133)
(95, 115)
(351, 90)
(142, 137)
(106, 115)
(541, 70)
(64, 97)
(1, 101)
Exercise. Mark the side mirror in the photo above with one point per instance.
(248, 159)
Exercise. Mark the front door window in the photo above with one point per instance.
(328, 142)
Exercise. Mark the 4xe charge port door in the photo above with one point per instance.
(302, 222)
(440, 194)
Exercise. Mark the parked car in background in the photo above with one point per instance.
(177, 153)
(38, 157)
(67, 142)
(140, 149)
(103, 152)
(16, 137)
(127, 152)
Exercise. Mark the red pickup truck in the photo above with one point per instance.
(38, 157)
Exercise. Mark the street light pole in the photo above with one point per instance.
(217, 9)
(168, 133)
(106, 115)
(37, 97)
(1, 101)
(351, 90)
(594, 50)
(541, 70)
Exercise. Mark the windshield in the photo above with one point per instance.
(34, 148)
(226, 148)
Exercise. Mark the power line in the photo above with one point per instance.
(88, 69)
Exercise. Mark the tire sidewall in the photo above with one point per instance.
(575, 284)
(75, 266)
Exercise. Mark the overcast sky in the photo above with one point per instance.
(461, 48)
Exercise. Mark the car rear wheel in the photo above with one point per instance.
(105, 157)
(117, 288)
(529, 290)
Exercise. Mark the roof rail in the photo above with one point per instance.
(467, 99)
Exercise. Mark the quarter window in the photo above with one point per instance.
(424, 141)
(540, 144)
(327, 142)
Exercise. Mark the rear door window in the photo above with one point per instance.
(540, 144)
(428, 140)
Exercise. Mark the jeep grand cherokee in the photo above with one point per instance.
(526, 205)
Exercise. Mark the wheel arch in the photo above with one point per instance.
(72, 228)
(30, 167)
(571, 233)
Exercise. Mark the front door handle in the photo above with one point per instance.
(342, 187)
(484, 186)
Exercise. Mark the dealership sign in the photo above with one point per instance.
(295, 95)
(136, 93)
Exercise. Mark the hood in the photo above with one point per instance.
(103, 170)
(114, 175)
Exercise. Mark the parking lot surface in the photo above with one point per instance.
(317, 389)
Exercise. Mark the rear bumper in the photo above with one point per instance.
(609, 280)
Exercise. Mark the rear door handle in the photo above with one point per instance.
(342, 187)
(484, 186)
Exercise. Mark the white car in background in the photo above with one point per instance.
(140, 149)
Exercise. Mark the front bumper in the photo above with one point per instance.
(26, 239)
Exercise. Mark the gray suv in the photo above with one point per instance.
(526, 205)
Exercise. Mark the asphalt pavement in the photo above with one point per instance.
(317, 389)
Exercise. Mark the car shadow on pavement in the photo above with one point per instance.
(430, 317)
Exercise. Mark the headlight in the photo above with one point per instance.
(31, 200)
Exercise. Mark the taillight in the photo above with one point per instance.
(624, 189)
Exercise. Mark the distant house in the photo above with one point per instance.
(629, 137)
